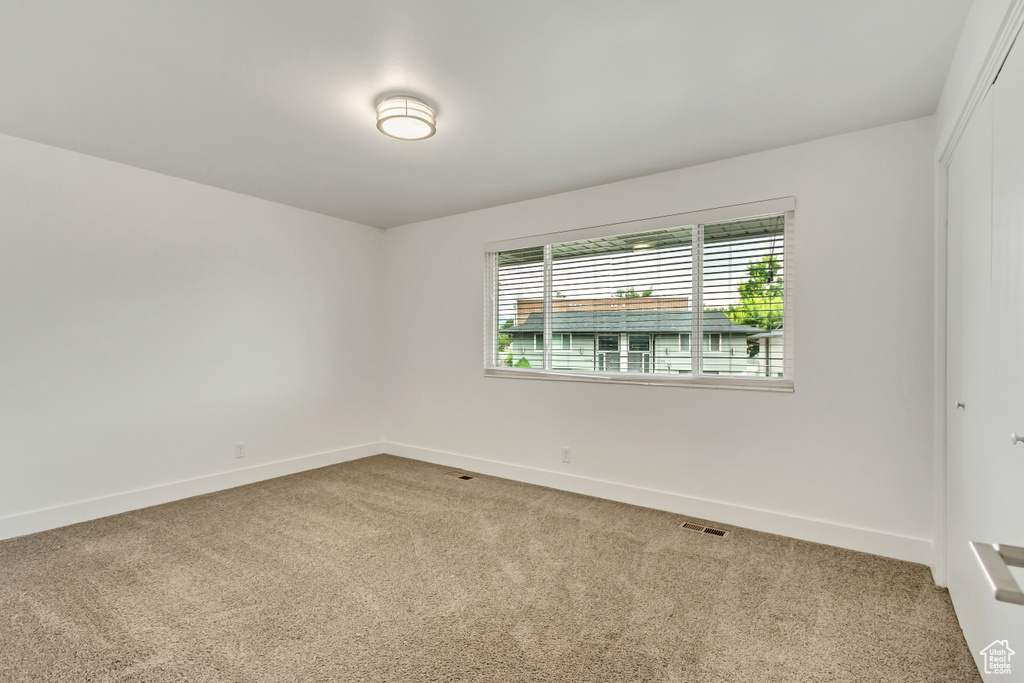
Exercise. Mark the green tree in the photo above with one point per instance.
(505, 341)
(632, 293)
(760, 295)
(760, 302)
(523, 363)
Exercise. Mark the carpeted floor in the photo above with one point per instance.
(386, 569)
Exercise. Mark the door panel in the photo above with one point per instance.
(969, 249)
(1003, 514)
(639, 353)
(608, 353)
(985, 363)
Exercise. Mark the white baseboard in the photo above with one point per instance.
(819, 531)
(94, 508)
(831, 533)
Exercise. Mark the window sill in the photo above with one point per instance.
(702, 382)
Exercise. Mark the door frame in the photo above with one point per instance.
(647, 362)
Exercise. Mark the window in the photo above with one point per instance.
(560, 342)
(617, 302)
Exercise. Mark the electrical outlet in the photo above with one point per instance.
(566, 454)
(239, 450)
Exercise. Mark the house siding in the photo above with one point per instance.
(668, 359)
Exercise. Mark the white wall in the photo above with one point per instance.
(845, 459)
(149, 323)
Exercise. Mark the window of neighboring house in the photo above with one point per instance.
(561, 342)
(630, 290)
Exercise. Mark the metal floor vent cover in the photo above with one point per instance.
(710, 530)
(459, 475)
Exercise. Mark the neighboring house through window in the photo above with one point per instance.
(620, 301)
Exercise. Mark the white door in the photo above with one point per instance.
(607, 358)
(985, 361)
(639, 358)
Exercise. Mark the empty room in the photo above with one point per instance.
(539, 341)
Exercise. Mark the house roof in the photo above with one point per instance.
(652, 322)
(777, 332)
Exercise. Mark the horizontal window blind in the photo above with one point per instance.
(616, 294)
(743, 297)
(622, 306)
(520, 279)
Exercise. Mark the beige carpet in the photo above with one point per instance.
(386, 569)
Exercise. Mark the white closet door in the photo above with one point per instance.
(985, 362)
(1005, 464)
(968, 362)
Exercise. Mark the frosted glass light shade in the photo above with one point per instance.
(405, 118)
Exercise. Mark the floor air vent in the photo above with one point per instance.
(459, 475)
(710, 530)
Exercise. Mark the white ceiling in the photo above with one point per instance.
(276, 99)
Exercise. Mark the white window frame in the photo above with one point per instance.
(688, 341)
(708, 336)
(785, 206)
(561, 341)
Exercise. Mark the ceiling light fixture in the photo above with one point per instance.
(405, 118)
